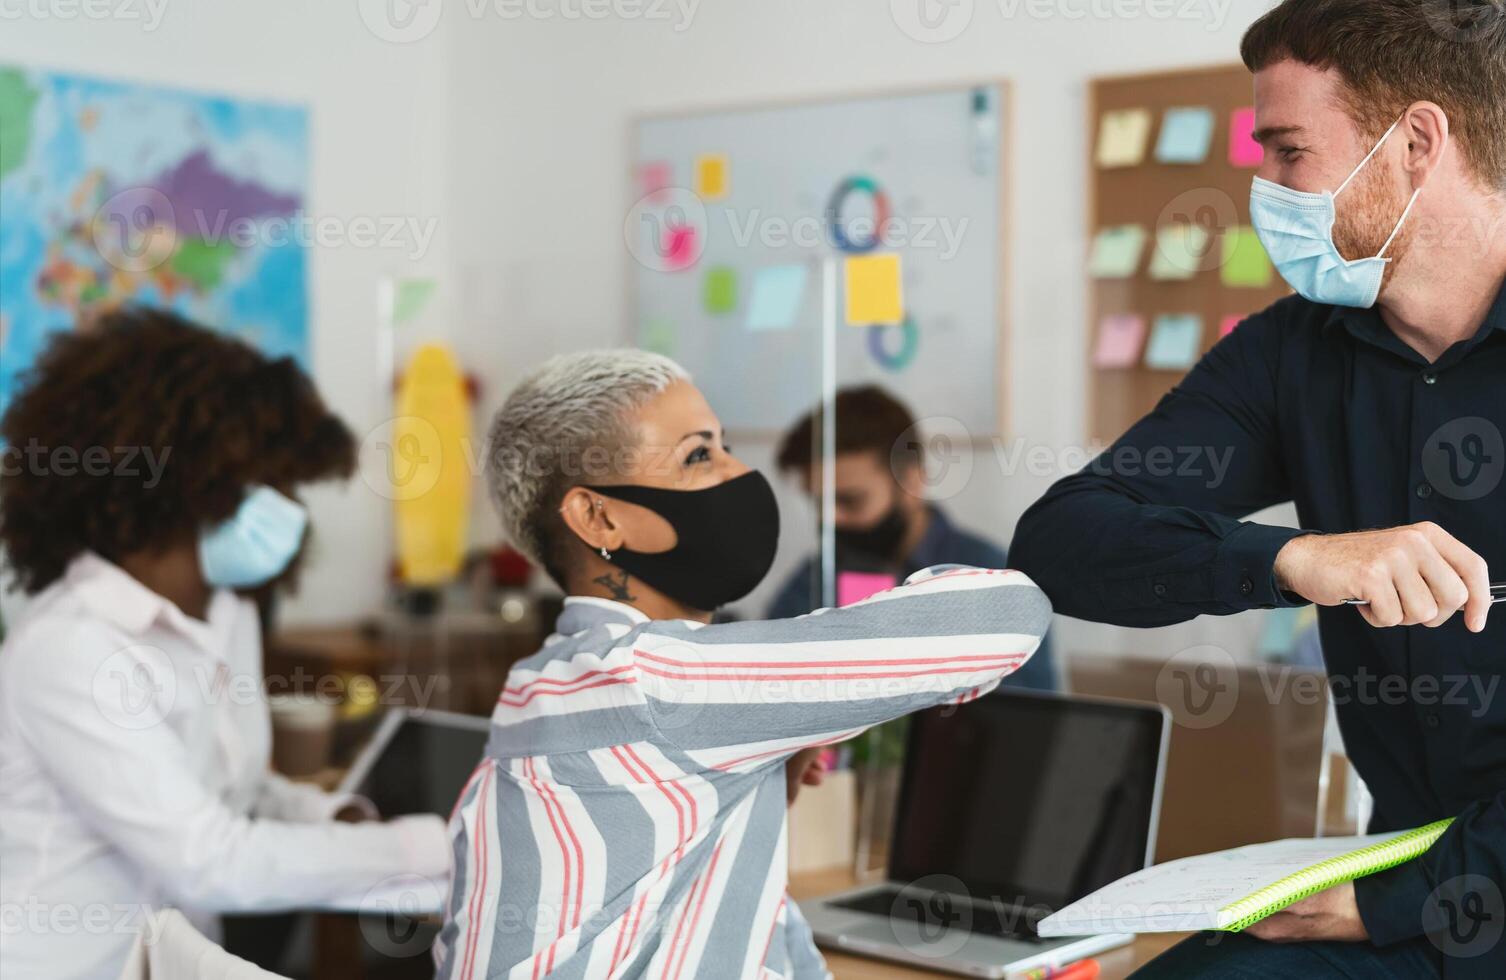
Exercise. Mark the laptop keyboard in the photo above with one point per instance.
(936, 910)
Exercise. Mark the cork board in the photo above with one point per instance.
(1212, 195)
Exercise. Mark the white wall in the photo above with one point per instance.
(378, 123)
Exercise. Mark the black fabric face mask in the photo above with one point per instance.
(726, 537)
(880, 542)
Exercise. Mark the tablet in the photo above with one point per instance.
(418, 761)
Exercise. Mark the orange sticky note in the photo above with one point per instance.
(712, 176)
(875, 295)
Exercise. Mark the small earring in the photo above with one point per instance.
(605, 554)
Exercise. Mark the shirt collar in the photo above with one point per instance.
(1496, 318)
(113, 594)
(1368, 326)
(584, 612)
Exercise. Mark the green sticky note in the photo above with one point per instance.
(658, 335)
(1117, 251)
(720, 292)
(410, 296)
(1181, 250)
(1245, 261)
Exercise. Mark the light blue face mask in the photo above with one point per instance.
(1296, 229)
(256, 544)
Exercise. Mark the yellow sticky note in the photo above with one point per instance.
(874, 293)
(712, 177)
(1122, 138)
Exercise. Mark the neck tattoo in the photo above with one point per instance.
(617, 584)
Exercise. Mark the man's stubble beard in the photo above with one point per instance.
(1367, 214)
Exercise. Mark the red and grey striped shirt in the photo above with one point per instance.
(628, 819)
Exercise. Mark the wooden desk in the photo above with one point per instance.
(1117, 964)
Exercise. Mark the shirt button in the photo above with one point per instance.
(1160, 590)
(1424, 491)
(1433, 720)
(1429, 377)
(1246, 587)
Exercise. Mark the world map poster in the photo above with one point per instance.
(114, 192)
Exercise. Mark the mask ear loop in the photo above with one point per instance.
(1397, 230)
(1368, 157)
(1410, 204)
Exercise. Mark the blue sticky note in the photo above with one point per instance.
(1175, 342)
(1186, 136)
(1279, 637)
(777, 293)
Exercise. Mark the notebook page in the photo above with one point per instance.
(1185, 895)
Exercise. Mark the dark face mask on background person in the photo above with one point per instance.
(879, 543)
(726, 537)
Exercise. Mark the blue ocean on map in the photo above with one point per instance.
(113, 192)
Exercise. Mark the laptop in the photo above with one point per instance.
(418, 761)
(1010, 808)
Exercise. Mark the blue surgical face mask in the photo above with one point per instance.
(1296, 229)
(256, 544)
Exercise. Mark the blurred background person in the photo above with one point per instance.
(885, 526)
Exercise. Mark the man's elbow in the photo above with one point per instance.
(1031, 552)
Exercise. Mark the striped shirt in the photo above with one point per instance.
(628, 819)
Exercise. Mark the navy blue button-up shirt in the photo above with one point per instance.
(1326, 407)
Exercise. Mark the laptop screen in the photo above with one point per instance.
(424, 765)
(1028, 799)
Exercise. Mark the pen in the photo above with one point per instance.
(1497, 594)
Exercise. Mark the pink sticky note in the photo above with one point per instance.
(1243, 150)
(857, 586)
(1119, 340)
(654, 177)
(1227, 326)
(680, 250)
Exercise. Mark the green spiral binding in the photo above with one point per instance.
(1335, 871)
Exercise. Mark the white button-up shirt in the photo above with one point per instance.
(134, 749)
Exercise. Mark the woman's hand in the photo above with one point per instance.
(805, 768)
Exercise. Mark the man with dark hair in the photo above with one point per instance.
(884, 525)
(1373, 400)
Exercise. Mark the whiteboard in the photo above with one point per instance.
(725, 199)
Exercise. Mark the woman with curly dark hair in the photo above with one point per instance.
(147, 487)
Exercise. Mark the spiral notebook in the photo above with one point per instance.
(1230, 890)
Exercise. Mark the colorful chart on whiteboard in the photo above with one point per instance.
(750, 224)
